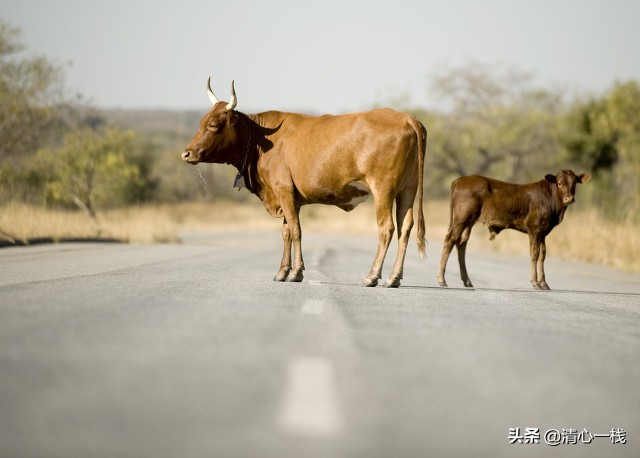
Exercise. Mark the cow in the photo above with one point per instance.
(289, 160)
(534, 209)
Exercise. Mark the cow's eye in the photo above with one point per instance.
(213, 128)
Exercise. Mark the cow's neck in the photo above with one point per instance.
(262, 128)
(247, 152)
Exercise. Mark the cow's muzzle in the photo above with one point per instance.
(569, 200)
(190, 156)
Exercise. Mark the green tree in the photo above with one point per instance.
(602, 134)
(91, 169)
(33, 103)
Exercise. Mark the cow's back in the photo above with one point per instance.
(328, 152)
(332, 137)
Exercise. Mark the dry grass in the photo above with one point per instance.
(582, 236)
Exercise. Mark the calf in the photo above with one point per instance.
(534, 208)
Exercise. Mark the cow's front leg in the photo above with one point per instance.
(291, 215)
(285, 264)
(541, 277)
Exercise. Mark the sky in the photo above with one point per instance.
(330, 56)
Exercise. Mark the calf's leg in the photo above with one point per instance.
(449, 242)
(541, 277)
(458, 236)
(462, 250)
(534, 249)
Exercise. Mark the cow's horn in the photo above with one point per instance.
(212, 96)
(234, 101)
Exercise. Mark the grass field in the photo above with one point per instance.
(584, 235)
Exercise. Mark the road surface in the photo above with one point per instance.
(191, 350)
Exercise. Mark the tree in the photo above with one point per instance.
(496, 123)
(91, 169)
(602, 134)
(33, 104)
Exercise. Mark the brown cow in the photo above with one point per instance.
(289, 160)
(534, 208)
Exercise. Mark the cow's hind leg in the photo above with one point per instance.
(404, 220)
(285, 264)
(384, 206)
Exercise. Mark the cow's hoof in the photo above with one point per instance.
(468, 284)
(544, 286)
(295, 276)
(443, 284)
(536, 285)
(370, 282)
(281, 275)
(392, 283)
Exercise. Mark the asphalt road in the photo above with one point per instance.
(192, 351)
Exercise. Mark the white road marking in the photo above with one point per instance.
(313, 307)
(310, 402)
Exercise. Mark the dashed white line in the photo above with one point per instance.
(313, 307)
(310, 403)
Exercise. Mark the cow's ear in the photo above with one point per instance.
(233, 118)
(583, 178)
(550, 178)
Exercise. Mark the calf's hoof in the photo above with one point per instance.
(392, 282)
(468, 284)
(295, 276)
(370, 281)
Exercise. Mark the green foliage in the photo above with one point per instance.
(603, 135)
(33, 105)
(91, 169)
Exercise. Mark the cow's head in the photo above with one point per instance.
(217, 134)
(566, 182)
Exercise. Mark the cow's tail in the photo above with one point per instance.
(421, 133)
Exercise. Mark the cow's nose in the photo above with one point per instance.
(187, 155)
(569, 200)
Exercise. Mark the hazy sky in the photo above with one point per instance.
(329, 56)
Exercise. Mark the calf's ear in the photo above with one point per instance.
(550, 178)
(583, 178)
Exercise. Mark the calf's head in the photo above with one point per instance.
(565, 182)
(217, 133)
